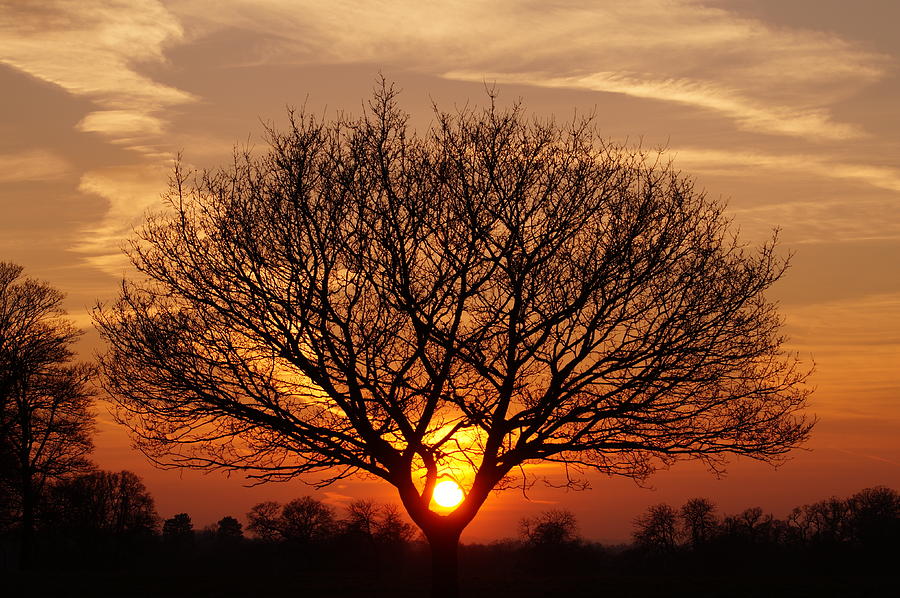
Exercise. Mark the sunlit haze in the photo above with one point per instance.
(787, 111)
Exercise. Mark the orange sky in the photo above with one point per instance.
(789, 110)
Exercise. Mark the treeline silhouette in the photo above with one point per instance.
(107, 522)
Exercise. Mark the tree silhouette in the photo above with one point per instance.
(390, 528)
(178, 531)
(45, 404)
(550, 529)
(229, 530)
(869, 519)
(103, 502)
(302, 521)
(698, 521)
(264, 521)
(306, 521)
(657, 529)
(362, 519)
(495, 292)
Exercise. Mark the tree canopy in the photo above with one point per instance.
(461, 302)
(46, 422)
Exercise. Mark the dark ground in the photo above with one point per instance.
(275, 584)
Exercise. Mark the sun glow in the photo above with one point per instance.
(447, 494)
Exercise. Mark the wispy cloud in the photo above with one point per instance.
(826, 221)
(864, 322)
(763, 78)
(33, 165)
(809, 220)
(130, 191)
(767, 79)
(747, 112)
(883, 177)
(91, 48)
(869, 456)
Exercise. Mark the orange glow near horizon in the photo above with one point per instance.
(447, 494)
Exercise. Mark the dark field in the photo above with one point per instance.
(246, 583)
(502, 569)
(835, 548)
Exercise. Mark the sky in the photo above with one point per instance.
(789, 111)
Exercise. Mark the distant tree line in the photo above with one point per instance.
(861, 529)
(109, 518)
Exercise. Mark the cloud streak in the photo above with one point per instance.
(33, 165)
(766, 79)
(91, 48)
(131, 191)
(746, 112)
(809, 220)
(882, 177)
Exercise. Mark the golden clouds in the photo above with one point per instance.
(90, 48)
(767, 79)
(130, 191)
(883, 177)
(128, 123)
(32, 165)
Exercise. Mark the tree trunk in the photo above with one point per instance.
(444, 564)
(26, 546)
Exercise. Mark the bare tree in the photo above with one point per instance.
(390, 528)
(657, 529)
(103, 502)
(46, 422)
(698, 521)
(303, 521)
(495, 292)
(871, 517)
(362, 519)
(875, 515)
(550, 529)
(306, 521)
(752, 526)
(377, 523)
(264, 521)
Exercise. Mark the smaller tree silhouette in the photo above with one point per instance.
(264, 521)
(46, 421)
(229, 529)
(826, 522)
(553, 528)
(178, 531)
(302, 521)
(875, 516)
(391, 528)
(752, 526)
(362, 519)
(307, 520)
(698, 521)
(656, 530)
(109, 503)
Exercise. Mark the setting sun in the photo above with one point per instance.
(448, 494)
